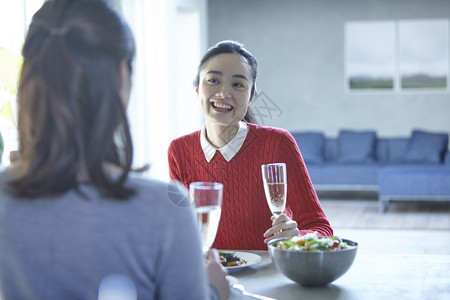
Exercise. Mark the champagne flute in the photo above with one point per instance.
(207, 200)
(275, 186)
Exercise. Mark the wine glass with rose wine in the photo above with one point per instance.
(275, 186)
(207, 200)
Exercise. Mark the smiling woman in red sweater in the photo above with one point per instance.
(231, 149)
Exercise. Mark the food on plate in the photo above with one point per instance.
(312, 242)
(230, 260)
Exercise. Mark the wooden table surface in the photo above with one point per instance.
(372, 276)
(389, 264)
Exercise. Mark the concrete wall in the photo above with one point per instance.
(299, 45)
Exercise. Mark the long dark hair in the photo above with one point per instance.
(71, 115)
(233, 48)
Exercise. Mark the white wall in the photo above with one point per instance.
(299, 45)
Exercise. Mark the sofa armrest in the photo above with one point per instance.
(447, 159)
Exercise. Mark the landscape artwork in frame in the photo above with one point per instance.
(370, 55)
(423, 54)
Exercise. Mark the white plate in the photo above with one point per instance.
(250, 258)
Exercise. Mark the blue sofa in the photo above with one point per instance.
(398, 168)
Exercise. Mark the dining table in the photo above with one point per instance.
(373, 275)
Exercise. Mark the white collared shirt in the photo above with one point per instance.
(229, 150)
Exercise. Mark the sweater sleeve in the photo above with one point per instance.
(174, 168)
(302, 202)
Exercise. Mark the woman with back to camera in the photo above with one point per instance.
(231, 149)
(71, 215)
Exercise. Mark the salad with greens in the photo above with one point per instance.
(312, 242)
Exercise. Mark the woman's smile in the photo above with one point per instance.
(221, 106)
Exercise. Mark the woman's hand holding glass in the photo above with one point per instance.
(282, 227)
(217, 275)
(275, 187)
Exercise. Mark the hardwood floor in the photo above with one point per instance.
(361, 211)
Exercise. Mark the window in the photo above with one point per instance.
(14, 19)
(404, 55)
(163, 104)
(169, 39)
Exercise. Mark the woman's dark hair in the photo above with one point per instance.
(232, 47)
(71, 116)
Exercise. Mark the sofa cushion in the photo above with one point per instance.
(356, 146)
(361, 176)
(426, 147)
(331, 149)
(391, 150)
(418, 180)
(311, 146)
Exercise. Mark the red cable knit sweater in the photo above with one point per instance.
(245, 213)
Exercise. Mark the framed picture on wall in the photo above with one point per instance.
(370, 55)
(402, 55)
(423, 47)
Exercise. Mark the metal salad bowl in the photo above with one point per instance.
(313, 268)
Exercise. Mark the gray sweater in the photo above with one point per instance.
(62, 247)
